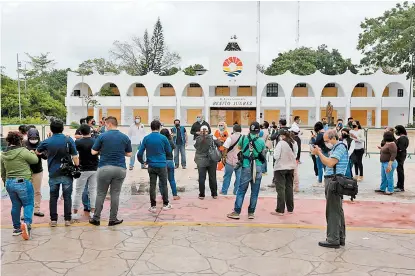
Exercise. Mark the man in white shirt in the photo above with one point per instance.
(136, 134)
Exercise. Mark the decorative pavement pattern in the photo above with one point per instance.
(201, 250)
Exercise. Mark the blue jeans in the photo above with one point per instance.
(387, 178)
(349, 169)
(246, 178)
(85, 199)
(182, 150)
(22, 195)
(320, 168)
(134, 155)
(54, 185)
(170, 177)
(265, 165)
(229, 169)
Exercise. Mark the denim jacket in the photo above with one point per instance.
(182, 132)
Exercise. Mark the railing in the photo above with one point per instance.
(373, 136)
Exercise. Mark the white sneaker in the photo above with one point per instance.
(76, 216)
(152, 209)
(91, 214)
(167, 207)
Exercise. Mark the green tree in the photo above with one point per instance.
(305, 61)
(97, 64)
(388, 41)
(40, 64)
(145, 54)
(169, 72)
(191, 69)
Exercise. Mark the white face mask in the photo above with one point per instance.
(137, 121)
(329, 145)
(33, 141)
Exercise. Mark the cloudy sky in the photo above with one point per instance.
(76, 31)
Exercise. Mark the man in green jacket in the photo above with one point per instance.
(16, 173)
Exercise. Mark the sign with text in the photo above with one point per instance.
(232, 102)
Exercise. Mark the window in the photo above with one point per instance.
(332, 84)
(194, 85)
(77, 93)
(272, 90)
(139, 85)
(167, 85)
(400, 92)
(301, 85)
(244, 86)
(219, 86)
(112, 85)
(360, 85)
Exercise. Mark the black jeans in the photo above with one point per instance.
(400, 171)
(358, 163)
(213, 185)
(315, 164)
(161, 173)
(54, 184)
(285, 195)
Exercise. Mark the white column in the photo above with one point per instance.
(206, 111)
(178, 110)
(68, 115)
(123, 121)
(96, 114)
(348, 111)
(378, 122)
(150, 113)
(288, 113)
(318, 111)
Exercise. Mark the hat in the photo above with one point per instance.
(204, 128)
(294, 128)
(254, 127)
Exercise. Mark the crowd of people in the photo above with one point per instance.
(96, 160)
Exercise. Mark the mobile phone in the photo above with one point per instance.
(312, 133)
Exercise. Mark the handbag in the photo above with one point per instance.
(343, 185)
(214, 153)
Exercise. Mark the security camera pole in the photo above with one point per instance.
(18, 86)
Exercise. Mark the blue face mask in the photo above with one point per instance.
(221, 128)
(198, 119)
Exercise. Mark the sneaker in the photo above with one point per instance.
(67, 223)
(94, 222)
(25, 231)
(131, 168)
(399, 190)
(39, 214)
(251, 215)
(115, 222)
(76, 216)
(152, 209)
(17, 232)
(53, 223)
(167, 207)
(176, 197)
(91, 215)
(183, 167)
(233, 215)
(379, 191)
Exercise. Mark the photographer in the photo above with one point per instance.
(62, 163)
(336, 164)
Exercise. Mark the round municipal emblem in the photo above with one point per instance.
(232, 66)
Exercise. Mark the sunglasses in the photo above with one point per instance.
(221, 125)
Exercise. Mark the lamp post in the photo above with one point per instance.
(18, 86)
(411, 87)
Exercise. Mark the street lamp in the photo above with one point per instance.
(411, 86)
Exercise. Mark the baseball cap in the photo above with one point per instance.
(254, 127)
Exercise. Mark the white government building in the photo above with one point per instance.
(233, 91)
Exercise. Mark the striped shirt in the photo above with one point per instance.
(340, 153)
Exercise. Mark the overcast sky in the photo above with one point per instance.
(74, 31)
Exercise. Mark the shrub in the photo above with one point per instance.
(74, 125)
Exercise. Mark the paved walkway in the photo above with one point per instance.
(203, 250)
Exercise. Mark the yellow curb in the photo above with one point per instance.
(224, 224)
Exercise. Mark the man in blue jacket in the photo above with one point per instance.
(180, 140)
(156, 147)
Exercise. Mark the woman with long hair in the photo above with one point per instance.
(350, 143)
(402, 143)
(204, 164)
(319, 130)
(285, 154)
(388, 163)
(221, 135)
(358, 136)
(170, 164)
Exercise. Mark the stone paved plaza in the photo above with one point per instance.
(203, 250)
(196, 238)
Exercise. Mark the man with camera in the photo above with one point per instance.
(63, 165)
(336, 166)
(251, 156)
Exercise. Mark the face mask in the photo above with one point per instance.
(345, 135)
(93, 123)
(221, 128)
(274, 126)
(177, 125)
(328, 145)
(354, 126)
(198, 119)
(340, 125)
(137, 121)
(32, 141)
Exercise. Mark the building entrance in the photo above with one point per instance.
(243, 116)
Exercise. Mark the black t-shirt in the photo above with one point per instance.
(179, 136)
(87, 161)
(94, 134)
